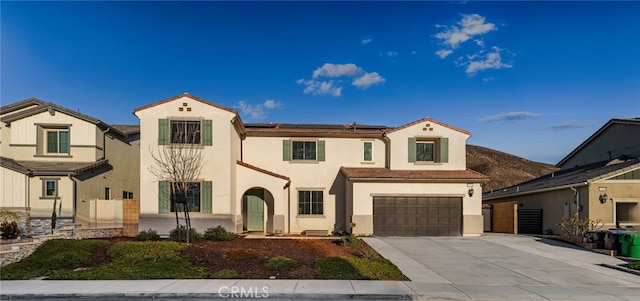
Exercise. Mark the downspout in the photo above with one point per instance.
(288, 188)
(104, 144)
(387, 150)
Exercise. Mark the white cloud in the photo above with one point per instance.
(368, 80)
(315, 87)
(487, 79)
(252, 111)
(509, 117)
(337, 70)
(470, 26)
(367, 41)
(413, 52)
(443, 53)
(491, 60)
(392, 53)
(319, 84)
(479, 43)
(256, 111)
(271, 104)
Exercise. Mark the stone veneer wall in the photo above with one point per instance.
(42, 226)
(505, 217)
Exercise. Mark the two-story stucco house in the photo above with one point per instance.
(48, 151)
(295, 178)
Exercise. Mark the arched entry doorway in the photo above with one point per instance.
(257, 210)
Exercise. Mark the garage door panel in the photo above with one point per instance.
(417, 216)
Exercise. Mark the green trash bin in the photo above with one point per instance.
(634, 246)
(625, 244)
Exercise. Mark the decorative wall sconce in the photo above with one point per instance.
(470, 185)
(603, 196)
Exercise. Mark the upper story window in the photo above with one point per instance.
(428, 150)
(185, 132)
(177, 131)
(57, 141)
(367, 155)
(303, 150)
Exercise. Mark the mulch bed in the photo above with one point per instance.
(247, 256)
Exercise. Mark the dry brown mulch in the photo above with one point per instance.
(247, 256)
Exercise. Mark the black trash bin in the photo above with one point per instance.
(612, 240)
(598, 238)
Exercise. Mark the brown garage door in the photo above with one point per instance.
(417, 216)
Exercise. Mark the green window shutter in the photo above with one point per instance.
(207, 132)
(207, 196)
(321, 150)
(412, 149)
(444, 150)
(286, 150)
(163, 129)
(163, 197)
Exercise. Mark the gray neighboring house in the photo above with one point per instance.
(599, 179)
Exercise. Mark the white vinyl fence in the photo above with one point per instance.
(92, 214)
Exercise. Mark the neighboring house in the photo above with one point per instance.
(48, 151)
(600, 179)
(311, 178)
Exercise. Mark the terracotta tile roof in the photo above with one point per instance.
(427, 119)
(189, 96)
(385, 173)
(264, 171)
(316, 129)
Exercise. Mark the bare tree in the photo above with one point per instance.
(180, 162)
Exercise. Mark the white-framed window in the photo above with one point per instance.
(367, 151)
(57, 141)
(192, 197)
(425, 151)
(310, 202)
(185, 132)
(303, 150)
(49, 188)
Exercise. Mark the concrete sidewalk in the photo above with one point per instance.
(297, 290)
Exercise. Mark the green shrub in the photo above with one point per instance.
(336, 268)
(141, 260)
(376, 268)
(149, 235)
(351, 241)
(218, 233)
(225, 274)
(52, 256)
(180, 235)
(280, 263)
(9, 230)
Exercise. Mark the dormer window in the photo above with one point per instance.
(428, 150)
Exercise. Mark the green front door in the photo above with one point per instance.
(255, 210)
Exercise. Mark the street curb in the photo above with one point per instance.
(623, 269)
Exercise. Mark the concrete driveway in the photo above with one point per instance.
(511, 267)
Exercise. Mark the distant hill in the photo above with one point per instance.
(503, 169)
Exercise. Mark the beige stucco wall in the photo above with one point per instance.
(363, 193)
(124, 175)
(266, 153)
(14, 189)
(618, 191)
(616, 139)
(218, 158)
(44, 207)
(457, 147)
(24, 136)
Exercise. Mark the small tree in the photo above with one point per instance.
(179, 163)
(574, 226)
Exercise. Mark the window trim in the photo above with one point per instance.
(364, 160)
(107, 193)
(43, 139)
(44, 195)
(434, 151)
(304, 141)
(311, 213)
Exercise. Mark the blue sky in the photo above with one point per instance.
(532, 79)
